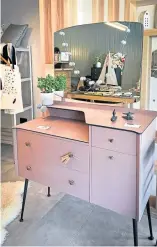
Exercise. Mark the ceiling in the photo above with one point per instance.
(145, 2)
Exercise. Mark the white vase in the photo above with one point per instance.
(47, 98)
(58, 95)
(98, 65)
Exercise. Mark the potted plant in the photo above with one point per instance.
(98, 62)
(47, 87)
(59, 86)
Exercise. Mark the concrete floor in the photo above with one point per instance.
(64, 220)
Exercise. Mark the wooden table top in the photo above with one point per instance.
(125, 100)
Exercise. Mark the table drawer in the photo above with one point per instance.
(116, 140)
(71, 182)
(45, 153)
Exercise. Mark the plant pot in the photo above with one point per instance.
(98, 65)
(58, 95)
(47, 98)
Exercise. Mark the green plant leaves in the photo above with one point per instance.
(50, 83)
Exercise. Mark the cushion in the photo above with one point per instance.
(14, 34)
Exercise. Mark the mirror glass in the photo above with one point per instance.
(101, 57)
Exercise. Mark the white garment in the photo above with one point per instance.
(11, 96)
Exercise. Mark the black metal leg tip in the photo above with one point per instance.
(151, 238)
(21, 220)
(48, 195)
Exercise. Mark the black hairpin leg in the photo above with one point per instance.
(149, 221)
(24, 199)
(135, 231)
(156, 243)
(48, 192)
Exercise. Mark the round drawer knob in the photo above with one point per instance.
(27, 144)
(71, 182)
(111, 157)
(28, 168)
(153, 100)
(111, 140)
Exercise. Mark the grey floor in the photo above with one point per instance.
(64, 220)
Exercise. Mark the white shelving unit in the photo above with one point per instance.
(10, 120)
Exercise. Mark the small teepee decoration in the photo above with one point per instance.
(111, 63)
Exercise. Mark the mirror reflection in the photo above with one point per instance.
(101, 59)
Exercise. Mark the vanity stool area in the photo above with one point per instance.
(78, 150)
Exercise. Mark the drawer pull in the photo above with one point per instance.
(28, 168)
(111, 140)
(27, 144)
(66, 157)
(71, 182)
(111, 157)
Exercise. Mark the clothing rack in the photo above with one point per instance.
(10, 120)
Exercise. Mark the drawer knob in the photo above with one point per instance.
(111, 140)
(71, 182)
(28, 168)
(111, 157)
(27, 144)
(153, 100)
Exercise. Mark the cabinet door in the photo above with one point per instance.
(113, 181)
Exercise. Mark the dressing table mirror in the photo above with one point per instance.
(102, 61)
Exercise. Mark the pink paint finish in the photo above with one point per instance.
(100, 115)
(66, 128)
(44, 154)
(113, 183)
(111, 139)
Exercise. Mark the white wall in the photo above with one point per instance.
(26, 12)
(84, 11)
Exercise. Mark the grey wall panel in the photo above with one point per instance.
(90, 40)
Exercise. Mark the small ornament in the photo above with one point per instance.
(114, 117)
(128, 30)
(128, 116)
(62, 33)
(123, 42)
(63, 44)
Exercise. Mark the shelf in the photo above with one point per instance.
(25, 79)
(150, 32)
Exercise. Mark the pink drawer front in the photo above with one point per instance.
(116, 140)
(43, 153)
(39, 160)
(71, 182)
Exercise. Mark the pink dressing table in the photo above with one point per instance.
(86, 155)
